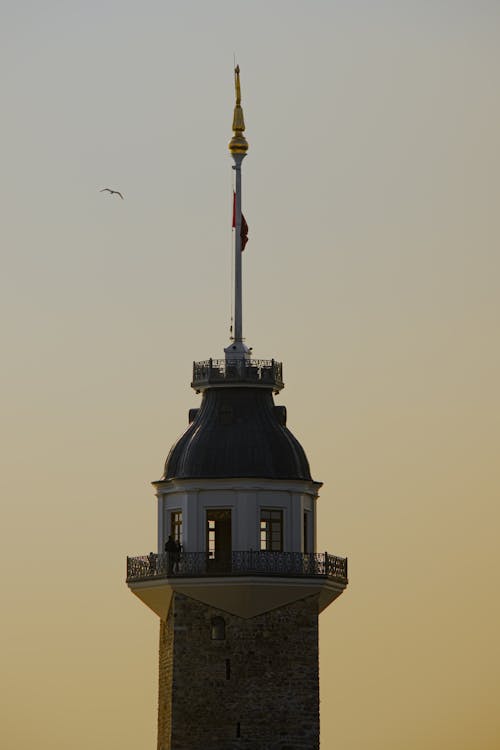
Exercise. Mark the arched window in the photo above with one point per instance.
(218, 629)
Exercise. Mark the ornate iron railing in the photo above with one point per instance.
(245, 563)
(220, 371)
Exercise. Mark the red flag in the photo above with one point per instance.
(244, 233)
(244, 225)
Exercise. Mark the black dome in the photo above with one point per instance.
(237, 432)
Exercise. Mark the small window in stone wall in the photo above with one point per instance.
(218, 629)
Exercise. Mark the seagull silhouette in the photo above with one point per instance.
(112, 192)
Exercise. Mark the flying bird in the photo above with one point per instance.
(111, 192)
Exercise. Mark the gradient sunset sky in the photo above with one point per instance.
(372, 193)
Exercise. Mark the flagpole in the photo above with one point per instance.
(238, 292)
(238, 147)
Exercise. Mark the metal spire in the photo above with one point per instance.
(238, 143)
(238, 147)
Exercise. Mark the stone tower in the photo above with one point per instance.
(237, 582)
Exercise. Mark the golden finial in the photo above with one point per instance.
(238, 144)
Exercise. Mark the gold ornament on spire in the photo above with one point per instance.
(238, 143)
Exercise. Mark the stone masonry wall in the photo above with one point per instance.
(165, 673)
(258, 689)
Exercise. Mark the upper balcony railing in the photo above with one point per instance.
(245, 563)
(259, 372)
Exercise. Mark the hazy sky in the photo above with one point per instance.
(372, 190)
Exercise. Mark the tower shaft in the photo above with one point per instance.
(254, 687)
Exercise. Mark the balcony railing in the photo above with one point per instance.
(262, 372)
(246, 563)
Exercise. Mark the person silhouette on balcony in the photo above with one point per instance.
(172, 548)
(152, 563)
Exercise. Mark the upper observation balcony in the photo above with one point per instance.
(260, 373)
(238, 563)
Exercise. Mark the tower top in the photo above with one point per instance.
(238, 147)
(238, 143)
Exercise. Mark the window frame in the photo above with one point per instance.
(176, 525)
(306, 531)
(271, 526)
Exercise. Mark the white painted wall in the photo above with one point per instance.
(245, 498)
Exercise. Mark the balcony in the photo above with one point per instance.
(246, 563)
(255, 372)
